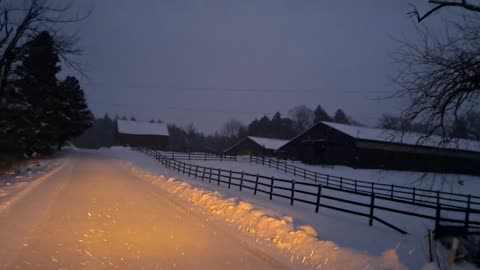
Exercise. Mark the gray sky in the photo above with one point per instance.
(206, 61)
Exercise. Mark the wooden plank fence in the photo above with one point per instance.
(198, 156)
(372, 198)
(410, 194)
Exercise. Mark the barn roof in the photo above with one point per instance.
(409, 138)
(142, 128)
(392, 136)
(267, 143)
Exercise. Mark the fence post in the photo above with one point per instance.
(292, 198)
(372, 204)
(437, 218)
(271, 187)
(315, 178)
(241, 181)
(196, 171)
(452, 254)
(355, 185)
(319, 194)
(341, 182)
(210, 176)
(391, 195)
(304, 174)
(467, 213)
(203, 173)
(413, 195)
(328, 177)
(189, 169)
(230, 179)
(430, 245)
(256, 185)
(218, 178)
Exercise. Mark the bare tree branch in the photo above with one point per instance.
(440, 77)
(36, 16)
(464, 4)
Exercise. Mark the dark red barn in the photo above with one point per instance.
(142, 134)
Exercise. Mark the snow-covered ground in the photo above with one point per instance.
(335, 230)
(90, 210)
(20, 179)
(412, 225)
(93, 212)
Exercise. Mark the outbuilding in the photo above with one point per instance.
(142, 134)
(364, 147)
(256, 146)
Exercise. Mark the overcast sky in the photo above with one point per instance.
(206, 61)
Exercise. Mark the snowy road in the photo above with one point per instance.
(94, 214)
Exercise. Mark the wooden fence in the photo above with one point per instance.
(338, 196)
(410, 194)
(198, 156)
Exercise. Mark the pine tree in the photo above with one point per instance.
(37, 87)
(341, 117)
(321, 115)
(76, 117)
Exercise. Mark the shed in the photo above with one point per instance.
(142, 134)
(255, 146)
(364, 147)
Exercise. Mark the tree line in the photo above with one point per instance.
(189, 138)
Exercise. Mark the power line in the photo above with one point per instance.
(207, 110)
(253, 90)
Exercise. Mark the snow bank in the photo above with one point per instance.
(301, 242)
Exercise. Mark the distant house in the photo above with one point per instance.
(363, 147)
(141, 134)
(255, 146)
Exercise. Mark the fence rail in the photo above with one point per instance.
(198, 156)
(320, 195)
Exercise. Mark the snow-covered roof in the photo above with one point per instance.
(267, 143)
(409, 138)
(142, 128)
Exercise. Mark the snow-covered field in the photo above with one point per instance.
(340, 231)
(463, 184)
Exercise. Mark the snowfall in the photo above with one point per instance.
(295, 235)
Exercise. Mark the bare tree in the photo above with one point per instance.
(440, 77)
(464, 4)
(32, 17)
(232, 128)
(302, 117)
